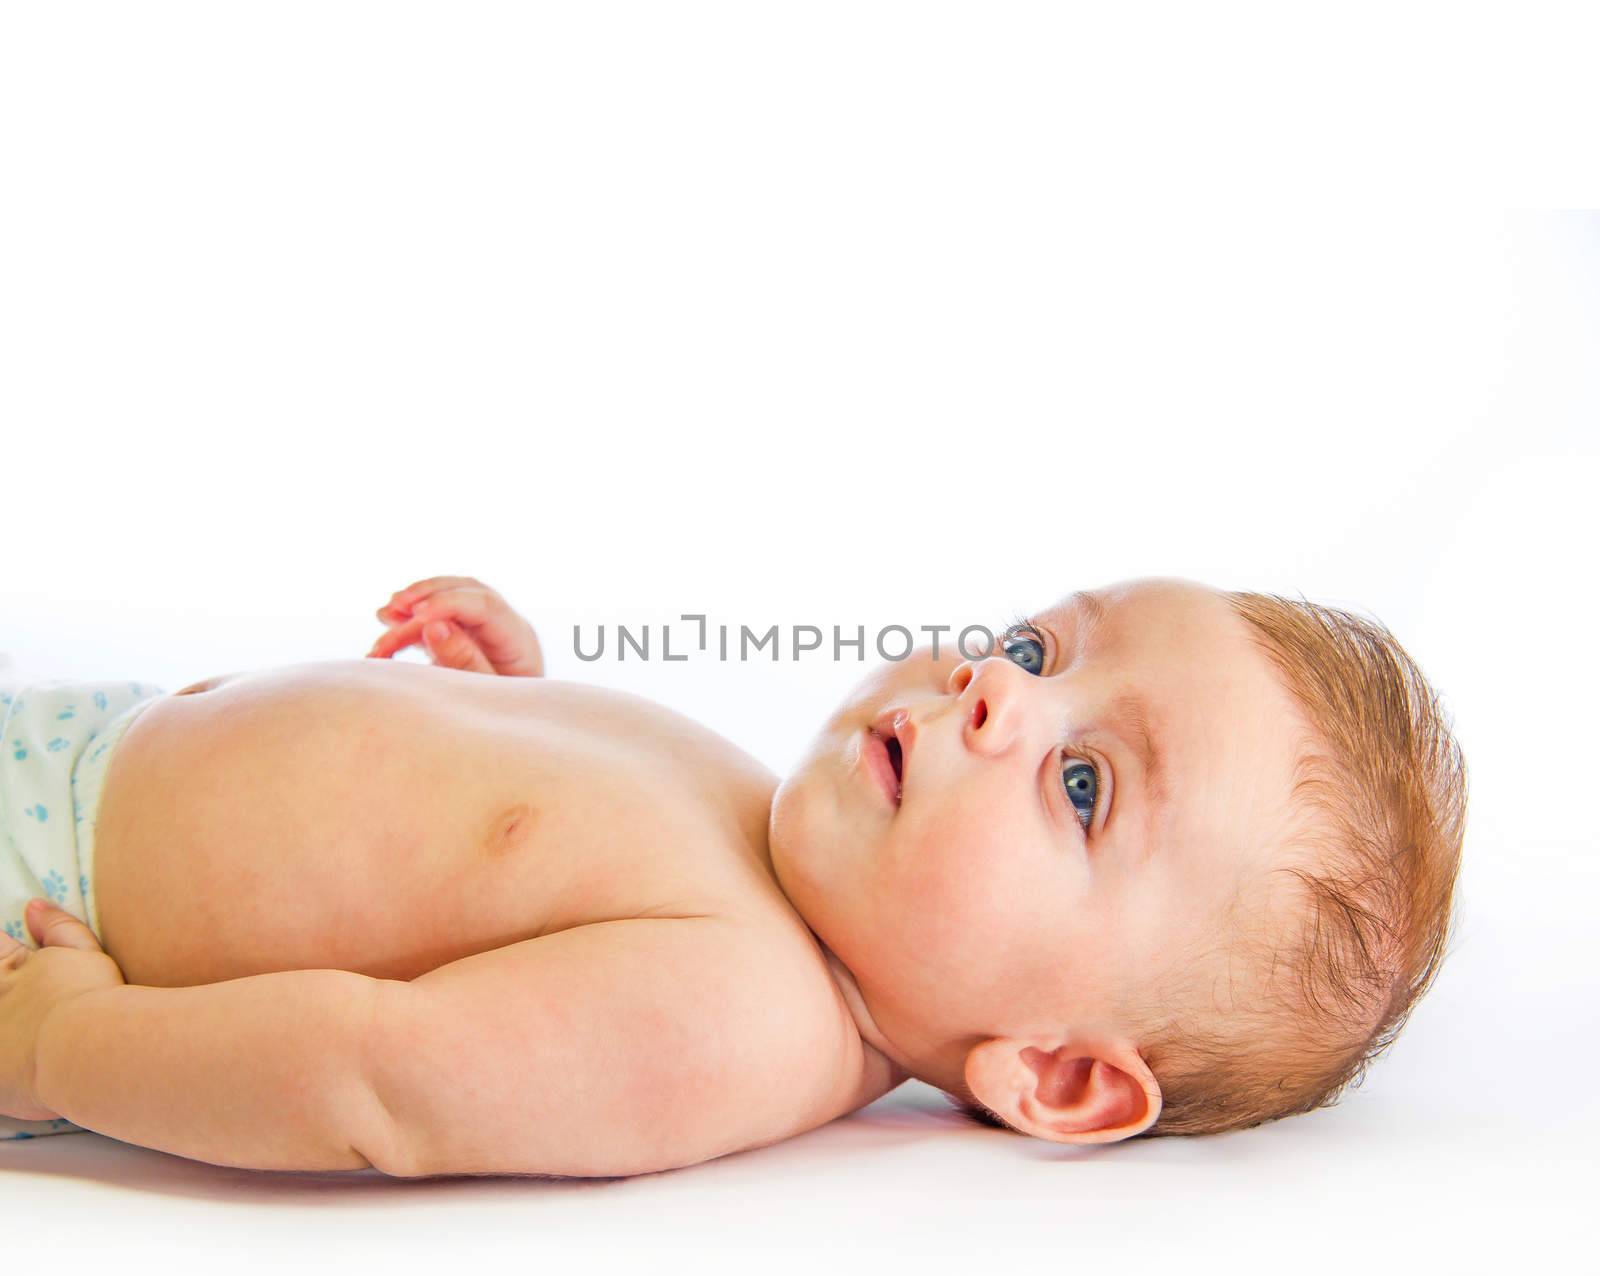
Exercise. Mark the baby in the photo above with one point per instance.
(1168, 860)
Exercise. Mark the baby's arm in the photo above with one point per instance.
(617, 1048)
(267, 1072)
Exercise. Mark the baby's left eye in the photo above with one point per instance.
(1082, 783)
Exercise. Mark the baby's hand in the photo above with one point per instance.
(68, 962)
(463, 624)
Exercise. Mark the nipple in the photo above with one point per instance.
(508, 829)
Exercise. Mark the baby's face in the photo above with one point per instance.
(1049, 857)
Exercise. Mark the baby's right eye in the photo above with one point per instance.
(1023, 650)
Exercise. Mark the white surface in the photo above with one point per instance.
(808, 319)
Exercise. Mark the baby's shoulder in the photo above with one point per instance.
(802, 1019)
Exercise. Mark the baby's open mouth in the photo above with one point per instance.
(890, 740)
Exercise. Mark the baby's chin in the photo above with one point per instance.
(795, 825)
(814, 832)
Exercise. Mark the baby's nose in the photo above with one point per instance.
(989, 701)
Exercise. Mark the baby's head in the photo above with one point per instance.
(1170, 861)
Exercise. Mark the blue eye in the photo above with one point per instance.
(1082, 781)
(1024, 652)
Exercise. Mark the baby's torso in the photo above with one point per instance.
(388, 818)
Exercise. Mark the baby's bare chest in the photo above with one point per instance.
(387, 818)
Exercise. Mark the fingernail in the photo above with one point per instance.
(35, 905)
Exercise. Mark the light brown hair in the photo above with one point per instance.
(1381, 796)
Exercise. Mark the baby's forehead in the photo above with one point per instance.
(1144, 594)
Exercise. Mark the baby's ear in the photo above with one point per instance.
(1066, 1090)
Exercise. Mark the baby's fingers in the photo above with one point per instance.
(445, 643)
(453, 649)
(50, 925)
(469, 606)
(402, 601)
(398, 638)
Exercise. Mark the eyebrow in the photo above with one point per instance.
(1091, 604)
(1130, 710)
(1134, 714)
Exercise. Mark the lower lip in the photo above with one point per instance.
(875, 754)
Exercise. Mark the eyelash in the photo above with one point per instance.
(1021, 626)
(1018, 624)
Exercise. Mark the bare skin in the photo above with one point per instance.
(396, 822)
(388, 818)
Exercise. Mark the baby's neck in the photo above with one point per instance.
(886, 1067)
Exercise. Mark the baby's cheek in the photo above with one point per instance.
(928, 913)
(951, 866)
(923, 668)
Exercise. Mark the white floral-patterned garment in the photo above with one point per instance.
(56, 741)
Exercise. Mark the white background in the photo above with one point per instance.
(836, 315)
